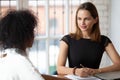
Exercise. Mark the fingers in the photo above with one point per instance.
(83, 72)
(87, 72)
(91, 72)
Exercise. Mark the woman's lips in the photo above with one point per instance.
(83, 27)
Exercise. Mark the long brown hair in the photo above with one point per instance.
(95, 33)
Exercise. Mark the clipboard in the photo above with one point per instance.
(75, 77)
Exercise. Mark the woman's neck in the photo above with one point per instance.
(4, 53)
(86, 35)
(21, 51)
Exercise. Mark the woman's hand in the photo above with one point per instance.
(85, 72)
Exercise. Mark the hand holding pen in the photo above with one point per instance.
(81, 71)
(91, 71)
(84, 71)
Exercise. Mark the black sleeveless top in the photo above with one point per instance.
(85, 52)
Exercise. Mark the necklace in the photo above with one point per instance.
(3, 55)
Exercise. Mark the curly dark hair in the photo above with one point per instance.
(17, 28)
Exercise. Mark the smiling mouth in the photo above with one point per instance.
(83, 27)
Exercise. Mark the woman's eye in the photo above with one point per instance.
(79, 18)
(87, 18)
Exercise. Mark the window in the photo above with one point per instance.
(56, 19)
(7, 4)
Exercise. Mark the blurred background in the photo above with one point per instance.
(56, 18)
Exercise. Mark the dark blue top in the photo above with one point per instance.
(85, 52)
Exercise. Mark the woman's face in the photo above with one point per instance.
(85, 20)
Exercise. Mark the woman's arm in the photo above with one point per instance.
(115, 58)
(61, 69)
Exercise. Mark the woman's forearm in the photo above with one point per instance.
(64, 70)
(114, 67)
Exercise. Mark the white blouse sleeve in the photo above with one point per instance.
(27, 71)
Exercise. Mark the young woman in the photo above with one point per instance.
(84, 48)
(16, 35)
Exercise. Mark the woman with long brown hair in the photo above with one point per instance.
(85, 47)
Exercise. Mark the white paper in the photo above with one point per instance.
(109, 75)
(74, 77)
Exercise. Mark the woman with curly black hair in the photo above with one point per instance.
(16, 35)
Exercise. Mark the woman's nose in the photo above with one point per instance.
(82, 22)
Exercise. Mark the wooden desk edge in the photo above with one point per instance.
(50, 77)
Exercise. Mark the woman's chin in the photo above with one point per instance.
(84, 30)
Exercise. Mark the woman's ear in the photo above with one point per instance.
(29, 42)
(96, 19)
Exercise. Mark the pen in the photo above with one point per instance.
(82, 66)
(92, 75)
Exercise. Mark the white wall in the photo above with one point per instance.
(115, 24)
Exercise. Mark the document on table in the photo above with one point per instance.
(74, 77)
(109, 75)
